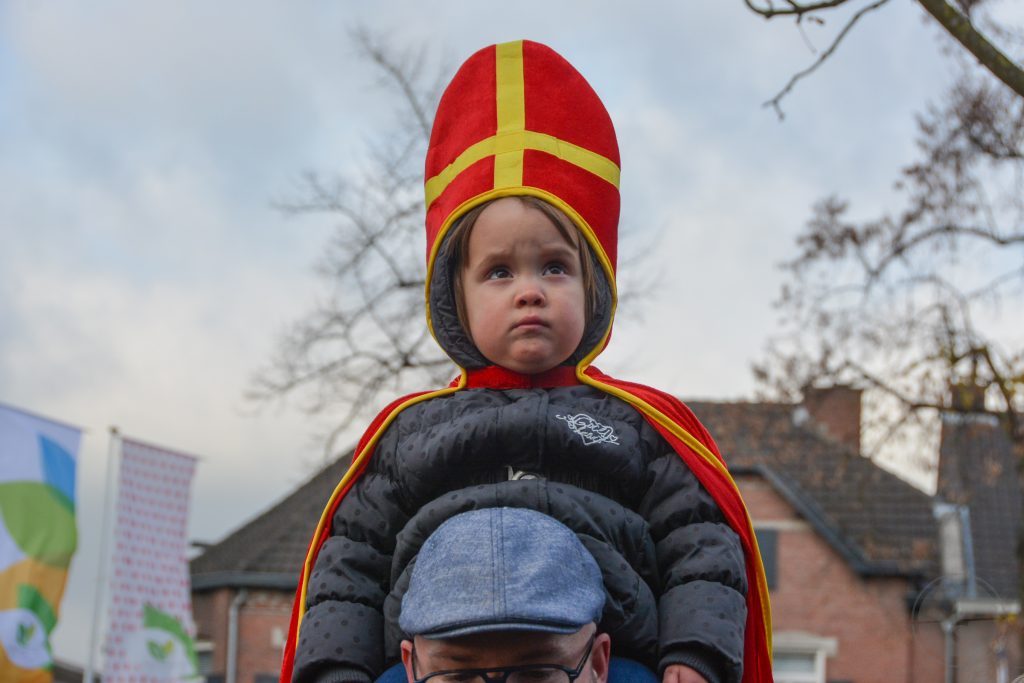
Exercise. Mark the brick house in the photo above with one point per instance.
(871, 580)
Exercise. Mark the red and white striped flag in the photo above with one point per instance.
(150, 629)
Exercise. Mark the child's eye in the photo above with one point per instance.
(555, 269)
(498, 273)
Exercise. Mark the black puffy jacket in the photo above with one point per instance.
(673, 569)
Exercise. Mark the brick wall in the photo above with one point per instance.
(262, 630)
(210, 612)
(818, 594)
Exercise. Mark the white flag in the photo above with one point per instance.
(150, 633)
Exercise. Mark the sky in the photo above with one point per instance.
(145, 274)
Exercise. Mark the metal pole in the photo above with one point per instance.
(105, 531)
(949, 631)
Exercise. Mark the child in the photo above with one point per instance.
(522, 212)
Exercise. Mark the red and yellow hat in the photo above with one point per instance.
(518, 119)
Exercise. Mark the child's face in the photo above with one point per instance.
(523, 289)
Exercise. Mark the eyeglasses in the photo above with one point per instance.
(527, 673)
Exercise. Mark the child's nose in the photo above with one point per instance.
(530, 295)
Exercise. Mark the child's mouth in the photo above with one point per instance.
(530, 322)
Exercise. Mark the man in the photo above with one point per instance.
(508, 595)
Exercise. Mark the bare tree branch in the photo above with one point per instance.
(960, 27)
(769, 11)
(800, 11)
(958, 24)
(369, 335)
(906, 305)
(402, 73)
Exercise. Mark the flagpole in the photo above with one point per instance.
(105, 532)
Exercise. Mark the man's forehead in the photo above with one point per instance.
(486, 649)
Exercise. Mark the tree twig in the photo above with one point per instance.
(774, 102)
(795, 8)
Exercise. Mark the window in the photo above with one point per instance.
(205, 658)
(800, 657)
(768, 541)
(796, 667)
(204, 653)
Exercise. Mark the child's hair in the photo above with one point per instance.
(456, 251)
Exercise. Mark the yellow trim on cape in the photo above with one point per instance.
(357, 462)
(701, 450)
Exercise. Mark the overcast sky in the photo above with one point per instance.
(144, 275)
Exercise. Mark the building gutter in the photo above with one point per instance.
(236, 607)
(243, 579)
(980, 608)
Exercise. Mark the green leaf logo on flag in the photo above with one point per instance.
(25, 630)
(158, 651)
(155, 620)
(25, 633)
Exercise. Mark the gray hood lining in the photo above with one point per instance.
(455, 341)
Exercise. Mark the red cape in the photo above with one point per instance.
(673, 420)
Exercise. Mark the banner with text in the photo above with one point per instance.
(150, 629)
(37, 538)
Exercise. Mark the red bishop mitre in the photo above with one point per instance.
(518, 119)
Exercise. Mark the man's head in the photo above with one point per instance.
(523, 282)
(502, 588)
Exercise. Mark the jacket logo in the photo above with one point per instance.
(517, 475)
(589, 429)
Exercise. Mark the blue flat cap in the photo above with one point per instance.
(501, 569)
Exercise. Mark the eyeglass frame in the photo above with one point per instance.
(506, 671)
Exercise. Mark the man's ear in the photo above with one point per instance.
(600, 657)
(407, 659)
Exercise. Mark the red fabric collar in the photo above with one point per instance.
(497, 377)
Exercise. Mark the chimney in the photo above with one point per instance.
(967, 398)
(971, 444)
(836, 410)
